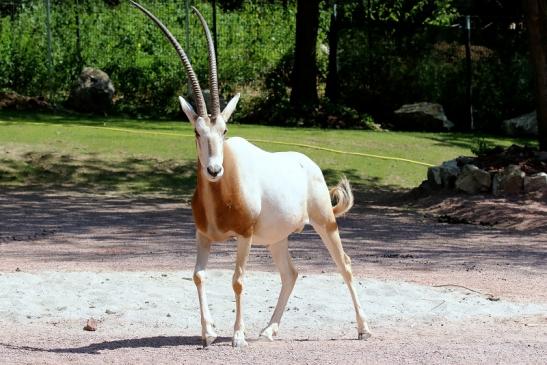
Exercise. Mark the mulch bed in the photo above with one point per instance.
(14, 101)
(497, 158)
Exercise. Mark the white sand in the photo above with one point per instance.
(138, 300)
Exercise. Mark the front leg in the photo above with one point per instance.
(243, 248)
(208, 334)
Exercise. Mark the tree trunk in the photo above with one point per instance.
(536, 22)
(304, 76)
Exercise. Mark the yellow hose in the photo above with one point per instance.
(257, 140)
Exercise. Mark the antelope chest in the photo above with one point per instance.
(220, 210)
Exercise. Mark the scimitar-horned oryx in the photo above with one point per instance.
(254, 196)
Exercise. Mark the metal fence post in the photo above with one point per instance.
(331, 91)
(187, 34)
(468, 76)
(370, 74)
(79, 59)
(215, 38)
(47, 4)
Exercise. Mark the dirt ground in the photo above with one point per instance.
(434, 292)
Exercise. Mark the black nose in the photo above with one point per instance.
(213, 172)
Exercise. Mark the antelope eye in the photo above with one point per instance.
(225, 131)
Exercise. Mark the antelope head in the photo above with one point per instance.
(210, 129)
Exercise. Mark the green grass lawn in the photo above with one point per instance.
(159, 156)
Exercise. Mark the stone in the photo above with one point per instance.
(536, 182)
(542, 156)
(524, 125)
(467, 183)
(422, 116)
(91, 325)
(465, 160)
(508, 181)
(93, 92)
(434, 175)
(449, 171)
(473, 180)
(426, 186)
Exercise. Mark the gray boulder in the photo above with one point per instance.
(508, 181)
(449, 171)
(434, 175)
(465, 160)
(524, 125)
(93, 92)
(536, 182)
(473, 180)
(422, 116)
(542, 156)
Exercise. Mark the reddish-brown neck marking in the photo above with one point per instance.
(219, 207)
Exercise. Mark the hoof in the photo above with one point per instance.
(364, 335)
(239, 339)
(269, 332)
(208, 339)
(239, 342)
(265, 338)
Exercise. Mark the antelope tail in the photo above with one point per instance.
(343, 197)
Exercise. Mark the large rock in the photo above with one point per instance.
(542, 156)
(449, 171)
(92, 92)
(434, 175)
(536, 182)
(421, 116)
(473, 180)
(509, 181)
(524, 125)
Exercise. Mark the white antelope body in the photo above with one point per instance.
(257, 197)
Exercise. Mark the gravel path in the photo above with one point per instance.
(425, 286)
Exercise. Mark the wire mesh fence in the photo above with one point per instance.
(118, 39)
(397, 64)
(381, 64)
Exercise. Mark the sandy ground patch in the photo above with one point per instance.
(126, 300)
(150, 310)
(67, 256)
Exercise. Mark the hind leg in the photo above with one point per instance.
(288, 273)
(331, 238)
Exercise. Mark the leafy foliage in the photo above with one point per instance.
(391, 69)
(390, 53)
(142, 65)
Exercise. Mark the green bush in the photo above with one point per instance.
(383, 63)
(392, 70)
(143, 66)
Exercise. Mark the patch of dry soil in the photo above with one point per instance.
(408, 262)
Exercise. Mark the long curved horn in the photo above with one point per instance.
(213, 76)
(200, 101)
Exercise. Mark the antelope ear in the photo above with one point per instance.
(188, 110)
(227, 112)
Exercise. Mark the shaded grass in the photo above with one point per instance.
(129, 175)
(60, 150)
